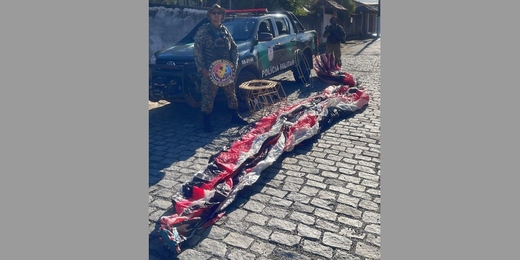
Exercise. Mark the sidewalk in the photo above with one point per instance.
(320, 201)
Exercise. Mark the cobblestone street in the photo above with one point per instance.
(319, 201)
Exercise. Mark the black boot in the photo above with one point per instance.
(235, 118)
(206, 122)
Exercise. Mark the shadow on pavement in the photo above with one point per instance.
(366, 46)
(267, 179)
(175, 129)
(175, 135)
(159, 249)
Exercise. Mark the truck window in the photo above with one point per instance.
(266, 26)
(281, 26)
(240, 28)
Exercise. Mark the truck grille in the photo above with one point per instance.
(168, 62)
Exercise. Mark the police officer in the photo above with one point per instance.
(335, 35)
(213, 41)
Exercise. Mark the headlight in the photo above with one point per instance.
(152, 59)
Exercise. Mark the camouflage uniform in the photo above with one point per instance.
(335, 34)
(213, 44)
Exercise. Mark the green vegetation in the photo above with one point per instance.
(349, 4)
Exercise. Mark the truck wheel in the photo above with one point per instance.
(302, 70)
(241, 94)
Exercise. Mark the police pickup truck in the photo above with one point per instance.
(269, 43)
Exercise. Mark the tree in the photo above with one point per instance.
(349, 4)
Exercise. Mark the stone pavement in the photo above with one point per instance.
(319, 201)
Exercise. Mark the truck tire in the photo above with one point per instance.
(302, 70)
(241, 94)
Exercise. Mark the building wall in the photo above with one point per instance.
(168, 25)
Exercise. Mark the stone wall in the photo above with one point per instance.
(168, 25)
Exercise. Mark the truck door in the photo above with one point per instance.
(285, 42)
(268, 51)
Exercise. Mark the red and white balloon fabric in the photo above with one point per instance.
(202, 201)
(329, 70)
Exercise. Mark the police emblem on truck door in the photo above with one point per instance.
(270, 53)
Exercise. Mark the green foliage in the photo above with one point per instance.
(349, 4)
(300, 11)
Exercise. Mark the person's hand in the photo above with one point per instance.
(205, 72)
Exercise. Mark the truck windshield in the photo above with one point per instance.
(241, 29)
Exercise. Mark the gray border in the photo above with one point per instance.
(444, 72)
(74, 167)
(74, 130)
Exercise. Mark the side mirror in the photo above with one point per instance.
(265, 36)
(254, 42)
